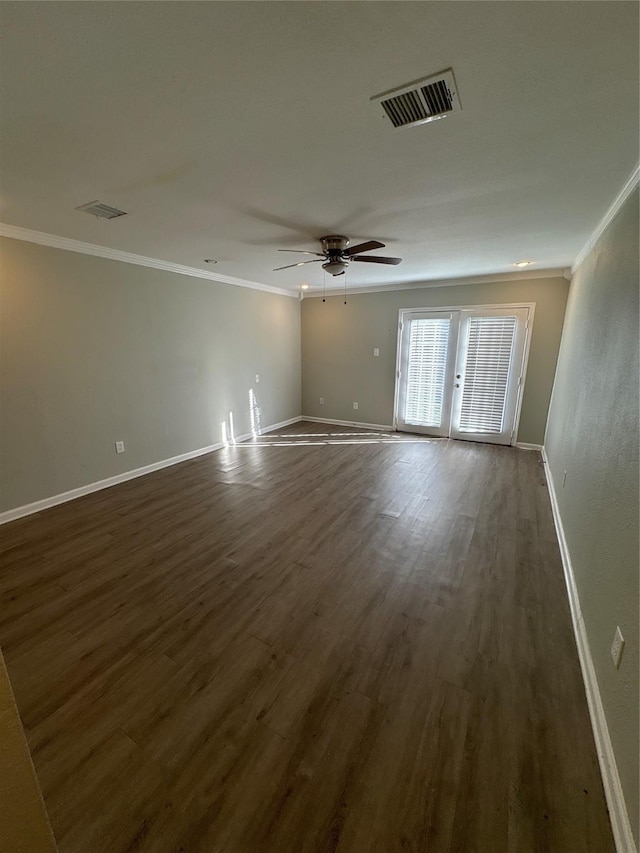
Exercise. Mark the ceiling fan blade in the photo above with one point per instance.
(377, 259)
(299, 264)
(363, 247)
(302, 252)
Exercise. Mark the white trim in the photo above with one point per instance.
(55, 241)
(524, 445)
(489, 278)
(288, 422)
(64, 497)
(249, 435)
(69, 245)
(386, 427)
(525, 368)
(616, 204)
(618, 815)
(396, 375)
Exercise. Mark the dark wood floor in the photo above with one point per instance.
(351, 642)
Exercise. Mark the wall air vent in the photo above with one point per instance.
(97, 208)
(421, 101)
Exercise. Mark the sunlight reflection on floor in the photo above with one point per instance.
(307, 439)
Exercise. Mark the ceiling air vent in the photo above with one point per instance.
(421, 101)
(97, 208)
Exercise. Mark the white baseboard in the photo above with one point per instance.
(385, 427)
(620, 823)
(523, 445)
(238, 439)
(273, 427)
(64, 497)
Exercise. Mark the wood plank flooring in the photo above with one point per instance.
(323, 640)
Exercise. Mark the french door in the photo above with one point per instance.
(460, 372)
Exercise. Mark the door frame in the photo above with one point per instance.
(531, 306)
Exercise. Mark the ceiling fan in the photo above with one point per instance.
(337, 254)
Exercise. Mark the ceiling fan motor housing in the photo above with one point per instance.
(334, 244)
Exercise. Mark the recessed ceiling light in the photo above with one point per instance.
(304, 287)
(210, 261)
(523, 263)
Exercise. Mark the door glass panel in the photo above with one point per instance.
(426, 371)
(488, 362)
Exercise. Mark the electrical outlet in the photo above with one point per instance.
(376, 351)
(616, 647)
(119, 446)
(257, 378)
(564, 478)
(322, 401)
(355, 405)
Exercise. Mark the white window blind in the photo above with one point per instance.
(426, 366)
(486, 376)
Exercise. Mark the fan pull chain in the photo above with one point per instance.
(346, 273)
(324, 286)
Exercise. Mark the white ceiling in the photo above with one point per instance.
(229, 129)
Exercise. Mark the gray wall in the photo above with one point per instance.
(95, 351)
(593, 434)
(338, 341)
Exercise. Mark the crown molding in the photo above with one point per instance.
(616, 204)
(69, 245)
(493, 278)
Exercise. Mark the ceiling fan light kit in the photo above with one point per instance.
(335, 267)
